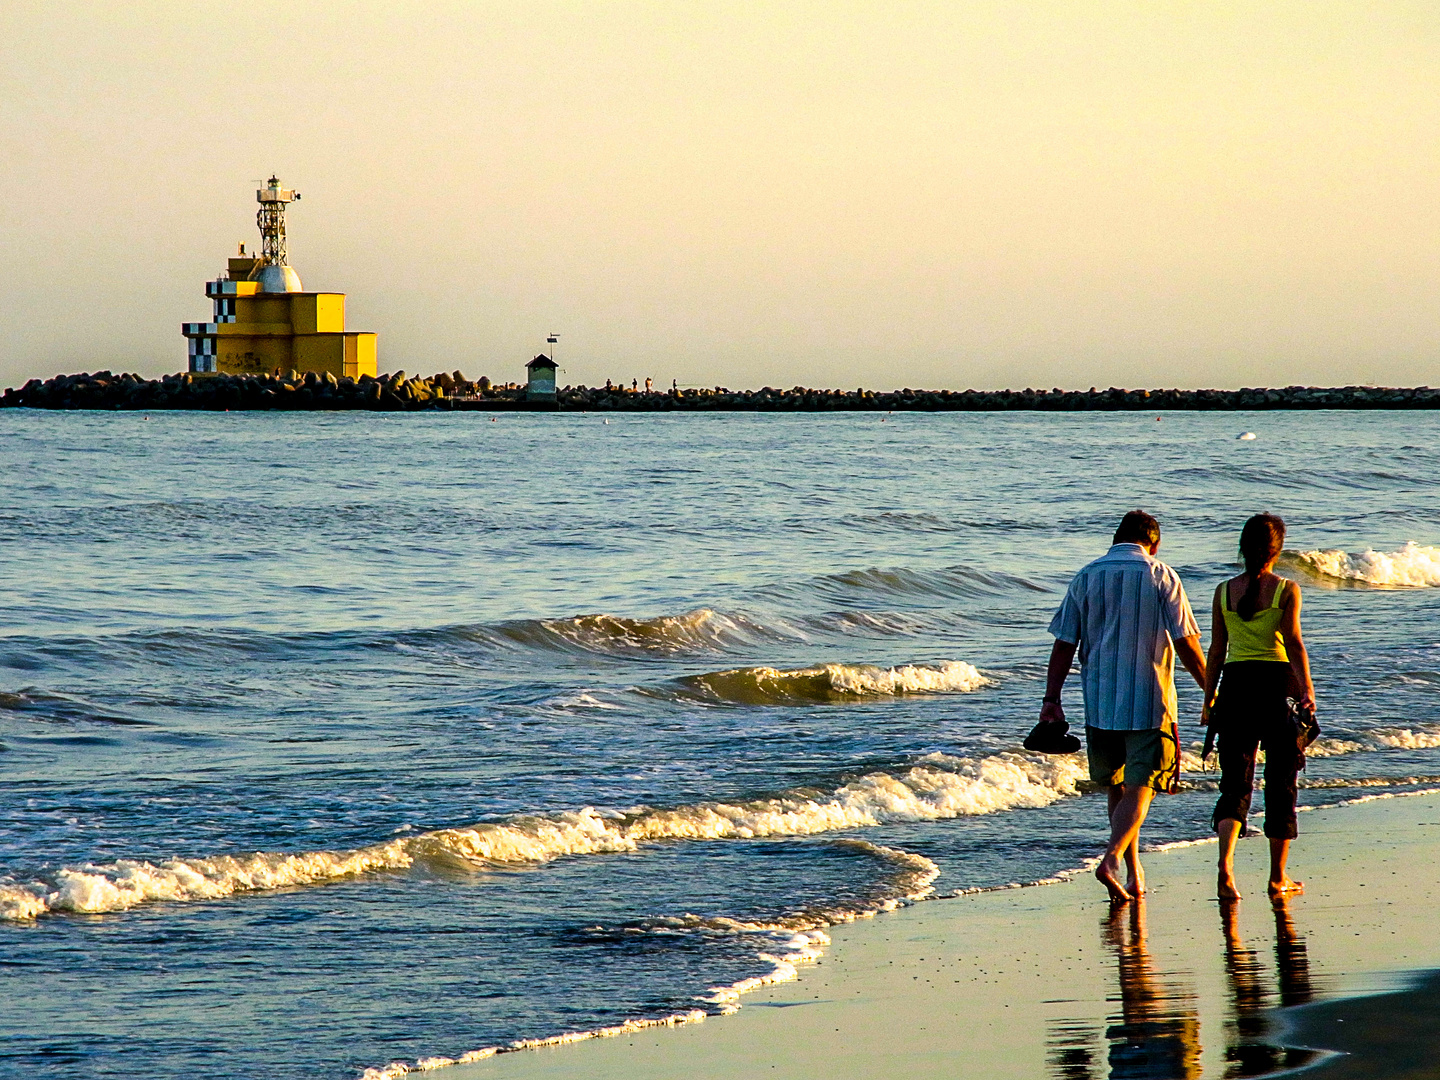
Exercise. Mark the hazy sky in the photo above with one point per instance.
(880, 194)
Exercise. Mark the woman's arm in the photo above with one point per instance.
(1219, 642)
(1295, 646)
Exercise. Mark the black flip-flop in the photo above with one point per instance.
(1050, 737)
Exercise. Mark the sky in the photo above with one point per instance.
(743, 194)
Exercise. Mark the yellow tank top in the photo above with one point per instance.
(1258, 639)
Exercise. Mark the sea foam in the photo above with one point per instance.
(936, 787)
(1413, 565)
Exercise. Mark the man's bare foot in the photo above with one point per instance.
(1286, 886)
(1105, 874)
(1225, 887)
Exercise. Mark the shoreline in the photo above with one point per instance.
(1048, 981)
(400, 392)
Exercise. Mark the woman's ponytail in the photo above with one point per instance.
(1262, 538)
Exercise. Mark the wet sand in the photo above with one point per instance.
(1381, 1037)
(1050, 982)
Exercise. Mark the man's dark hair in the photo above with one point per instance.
(1137, 527)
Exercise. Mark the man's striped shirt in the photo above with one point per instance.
(1125, 610)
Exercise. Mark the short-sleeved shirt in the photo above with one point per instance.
(1125, 610)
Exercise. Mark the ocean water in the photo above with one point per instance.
(329, 742)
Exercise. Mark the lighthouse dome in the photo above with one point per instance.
(277, 278)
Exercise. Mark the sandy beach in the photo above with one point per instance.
(1048, 981)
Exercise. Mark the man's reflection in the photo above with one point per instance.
(1248, 1051)
(1156, 1035)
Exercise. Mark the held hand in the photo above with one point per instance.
(1205, 711)
(1307, 701)
(1052, 713)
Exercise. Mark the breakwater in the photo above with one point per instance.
(402, 392)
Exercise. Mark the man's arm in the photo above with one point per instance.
(1188, 649)
(1184, 630)
(1062, 654)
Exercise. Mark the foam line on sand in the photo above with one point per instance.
(1049, 983)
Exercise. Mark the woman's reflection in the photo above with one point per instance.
(1248, 1051)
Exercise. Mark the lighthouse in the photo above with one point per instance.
(264, 321)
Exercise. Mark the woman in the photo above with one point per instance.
(1256, 634)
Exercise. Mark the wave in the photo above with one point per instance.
(860, 587)
(937, 787)
(1413, 565)
(701, 630)
(1382, 738)
(798, 949)
(897, 521)
(37, 705)
(792, 948)
(828, 682)
(1376, 739)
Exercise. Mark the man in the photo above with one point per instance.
(1128, 614)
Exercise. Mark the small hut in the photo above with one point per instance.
(542, 379)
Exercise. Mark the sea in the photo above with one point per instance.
(341, 745)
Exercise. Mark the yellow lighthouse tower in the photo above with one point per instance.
(264, 320)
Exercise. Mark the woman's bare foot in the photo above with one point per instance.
(1105, 874)
(1286, 886)
(1135, 881)
(1225, 887)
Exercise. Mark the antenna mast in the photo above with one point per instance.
(271, 218)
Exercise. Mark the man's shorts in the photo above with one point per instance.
(1139, 758)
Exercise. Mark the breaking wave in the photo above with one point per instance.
(829, 682)
(701, 630)
(1413, 565)
(937, 787)
(1380, 738)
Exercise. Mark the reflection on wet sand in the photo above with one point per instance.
(1248, 1049)
(1156, 1033)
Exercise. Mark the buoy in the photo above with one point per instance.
(1246, 436)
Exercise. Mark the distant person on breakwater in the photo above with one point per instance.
(1128, 615)
(1257, 661)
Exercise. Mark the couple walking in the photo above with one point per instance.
(1127, 615)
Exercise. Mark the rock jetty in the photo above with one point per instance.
(401, 392)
